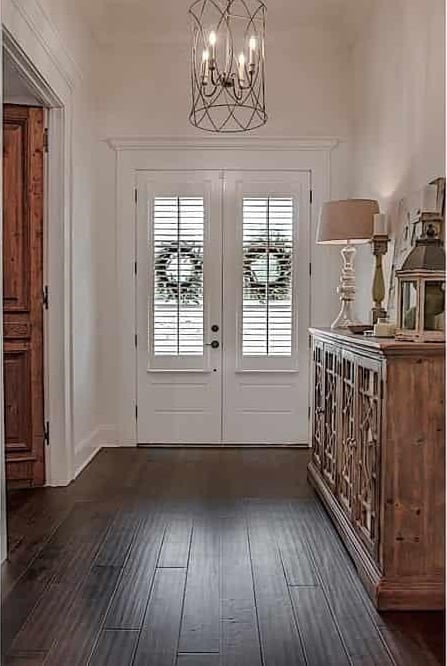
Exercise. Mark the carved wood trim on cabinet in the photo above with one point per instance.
(378, 462)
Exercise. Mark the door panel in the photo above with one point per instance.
(23, 133)
(266, 307)
(178, 302)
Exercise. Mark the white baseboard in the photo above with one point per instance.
(104, 436)
(85, 451)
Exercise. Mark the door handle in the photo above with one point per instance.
(214, 344)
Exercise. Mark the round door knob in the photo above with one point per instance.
(214, 328)
(214, 344)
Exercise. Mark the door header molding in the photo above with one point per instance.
(293, 144)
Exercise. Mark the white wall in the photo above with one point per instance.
(15, 90)
(75, 34)
(399, 87)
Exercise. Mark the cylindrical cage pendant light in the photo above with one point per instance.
(227, 69)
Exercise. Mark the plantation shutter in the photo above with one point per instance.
(268, 247)
(178, 254)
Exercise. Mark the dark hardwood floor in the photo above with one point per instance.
(194, 557)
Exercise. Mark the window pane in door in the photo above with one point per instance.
(267, 320)
(178, 233)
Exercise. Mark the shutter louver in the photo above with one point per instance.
(178, 238)
(267, 321)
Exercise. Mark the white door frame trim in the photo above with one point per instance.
(164, 154)
(41, 59)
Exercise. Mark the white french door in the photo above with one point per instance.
(222, 292)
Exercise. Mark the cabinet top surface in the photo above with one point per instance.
(387, 346)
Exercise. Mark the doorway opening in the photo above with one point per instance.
(25, 136)
(36, 389)
(223, 294)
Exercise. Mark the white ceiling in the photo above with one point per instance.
(115, 21)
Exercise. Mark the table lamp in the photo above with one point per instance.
(348, 223)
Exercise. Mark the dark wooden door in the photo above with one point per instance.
(23, 148)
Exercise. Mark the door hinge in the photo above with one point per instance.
(310, 269)
(45, 299)
(45, 140)
(136, 340)
(136, 268)
(46, 433)
(136, 412)
(310, 341)
(136, 195)
(311, 196)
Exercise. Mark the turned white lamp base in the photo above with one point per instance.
(346, 317)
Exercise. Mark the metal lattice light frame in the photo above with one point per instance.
(227, 68)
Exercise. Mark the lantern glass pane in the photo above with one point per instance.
(408, 304)
(434, 305)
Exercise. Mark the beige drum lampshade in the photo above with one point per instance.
(348, 220)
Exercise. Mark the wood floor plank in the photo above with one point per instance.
(175, 549)
(159, 636)
(352, 613)
(201, 623)
(119, 538)
(240, 634)
(198, 660)
(46, 579)
(25, 659)
(46, 620)
(39, 513)
(321, 640)
(280, 641)
(84, 618)
(115, 647)
(297, 564)
(130, 599)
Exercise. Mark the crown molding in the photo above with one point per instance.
(32, 14)
(293, 144)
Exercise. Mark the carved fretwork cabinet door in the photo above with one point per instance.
(368, 436)
(318, 398)
(348, 449)
(331, 375)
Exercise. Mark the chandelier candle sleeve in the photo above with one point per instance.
(241, 67)
(252, 47)
(205, 65)
(213, 40)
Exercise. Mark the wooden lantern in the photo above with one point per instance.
(421, 288)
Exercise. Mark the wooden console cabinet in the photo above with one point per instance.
(378, 460)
